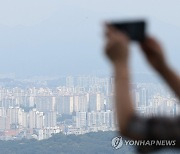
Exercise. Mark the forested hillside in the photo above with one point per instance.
(91, 143)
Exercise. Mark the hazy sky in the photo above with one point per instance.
(59, 37)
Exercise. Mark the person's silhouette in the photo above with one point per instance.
(131, 125)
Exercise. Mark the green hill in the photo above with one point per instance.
(90, 143)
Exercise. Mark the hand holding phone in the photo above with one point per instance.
(134, 29)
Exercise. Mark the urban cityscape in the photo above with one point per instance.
(73, 105)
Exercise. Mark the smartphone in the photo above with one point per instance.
(134, 29)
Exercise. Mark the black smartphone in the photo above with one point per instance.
(134, 29)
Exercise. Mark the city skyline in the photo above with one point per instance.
(78, 105)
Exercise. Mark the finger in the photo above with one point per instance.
(150, 41)
(114, 35)
(110, 31)
(146, 45)
(111, 27)
(145, 49)
(150, 46)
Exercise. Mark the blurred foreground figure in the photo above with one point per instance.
(130, 124)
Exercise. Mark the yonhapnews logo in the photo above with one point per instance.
(117, 142)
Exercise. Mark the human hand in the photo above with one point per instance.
(153, 53)
(116, 47)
